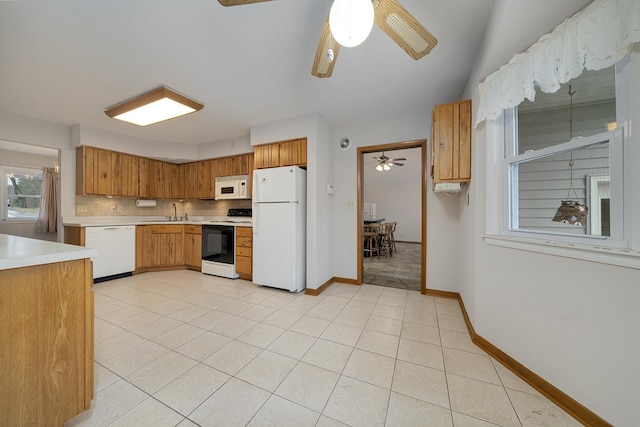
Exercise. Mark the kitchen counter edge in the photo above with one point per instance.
(17, 252)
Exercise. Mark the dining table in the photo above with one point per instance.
(373, 221)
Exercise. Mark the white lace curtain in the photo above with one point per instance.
(48, 215)
(593, 39)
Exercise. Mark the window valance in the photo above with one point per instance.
(594, 38)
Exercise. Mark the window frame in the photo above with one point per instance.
(4, 209)
(511, 160)
(496, 234)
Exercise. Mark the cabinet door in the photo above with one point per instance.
(193, 246)
(156, 178)
(171, 180)
(258, 158)
(167, 245)
(143, 177)
(299, 152)
(93, 169)
(240, 165)
(144, 249)
(451, 142)
(285, 153)
(205, 172)
(266, 156)
(190, 180)
(225, 166)
(124, 174)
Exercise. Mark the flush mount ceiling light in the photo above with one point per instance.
(152, 107)
(351, 21)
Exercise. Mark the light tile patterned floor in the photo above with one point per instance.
(400, 270)
(180, 348)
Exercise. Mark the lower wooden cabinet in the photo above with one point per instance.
(244, 252)
(193, 246)
(159, 246)
(46, 343)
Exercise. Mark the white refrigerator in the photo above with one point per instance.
(279, 227)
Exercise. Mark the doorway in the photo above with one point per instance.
(389, 149)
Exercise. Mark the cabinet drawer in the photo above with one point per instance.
(246, 242)
(244, 231)
(193, 229)
(166, 229)
(243, 251)
(243, 266)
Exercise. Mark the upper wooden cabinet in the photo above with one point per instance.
(93, 171)
(125, 169)
(110, 173)
(451, 142)
(293, 153)
(283, 153)
(160, 180)
(233, 165)
(266, 156)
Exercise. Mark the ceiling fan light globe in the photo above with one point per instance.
(351, 21)
(379, 168)
(386, 167)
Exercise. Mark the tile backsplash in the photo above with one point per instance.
(126, 206)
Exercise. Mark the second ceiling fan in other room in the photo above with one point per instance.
(389, 15)
(385, 163)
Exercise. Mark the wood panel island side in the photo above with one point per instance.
(46, 338)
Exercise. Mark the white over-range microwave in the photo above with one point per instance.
(232, 187)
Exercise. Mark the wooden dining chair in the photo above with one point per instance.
(384, 236)
(370, 235)
(392, 235)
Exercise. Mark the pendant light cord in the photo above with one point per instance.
(571, 187)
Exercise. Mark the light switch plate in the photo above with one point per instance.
(329, 189)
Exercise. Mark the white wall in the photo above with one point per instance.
(228, 147)
(572, 322)
(83, 135)
(442, 212)
(320, 222)
(27, 131)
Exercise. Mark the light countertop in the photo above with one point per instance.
(93, 221)
(16, 252)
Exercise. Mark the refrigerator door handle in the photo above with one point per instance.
(256, 217)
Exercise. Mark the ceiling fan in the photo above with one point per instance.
(389, 15)
(385, 163)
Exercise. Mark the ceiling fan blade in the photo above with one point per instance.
(404, 29)
(238, 2)
(322, 68)
(399, 159)
(395, 164)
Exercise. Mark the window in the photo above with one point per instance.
(20, 193)
(564, 151)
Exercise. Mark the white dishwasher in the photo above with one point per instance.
(116, 247)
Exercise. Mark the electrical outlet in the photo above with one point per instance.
(114, 208)
(81, 208)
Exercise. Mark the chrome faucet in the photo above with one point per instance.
(175, 212)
